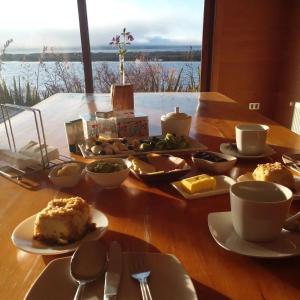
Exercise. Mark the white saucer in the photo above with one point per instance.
(168, 280)
(223, 185)
(248, 177)
(22, 236)
(230, 149)
(221, 228)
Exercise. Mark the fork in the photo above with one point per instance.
(141, 274)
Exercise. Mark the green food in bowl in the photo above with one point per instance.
(108, 167)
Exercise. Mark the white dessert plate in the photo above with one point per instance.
(223, 185)
(22, 236)
(230, 149)
(168, 280)
(248, 177)
(221, 228)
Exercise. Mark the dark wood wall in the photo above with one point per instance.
(255, 56)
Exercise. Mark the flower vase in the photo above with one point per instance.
(122, 71)
(122, 97)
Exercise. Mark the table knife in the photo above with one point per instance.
(113, 273)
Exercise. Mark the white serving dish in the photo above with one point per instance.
(194, 146)
(216, 167)
(109, 180)
(65, 181)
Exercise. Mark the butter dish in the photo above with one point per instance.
(223, 184)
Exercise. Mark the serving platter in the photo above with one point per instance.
(193, 146)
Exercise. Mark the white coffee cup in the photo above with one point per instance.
(251, 138)
(259, 209)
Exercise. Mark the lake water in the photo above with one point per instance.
(28, 70)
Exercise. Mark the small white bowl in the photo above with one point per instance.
(215, 167)
(109, 180)
(65, 181)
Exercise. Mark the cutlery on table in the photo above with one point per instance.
(141, 274)
(87, 263)
(113, 273)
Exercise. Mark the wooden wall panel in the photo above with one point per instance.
(249, 52)
(289, 87)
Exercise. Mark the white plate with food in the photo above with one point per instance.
(221, 228)
(168, 280)
(22, 236)
(249, 177)
(123, 147)
(231, 149)
(223, 184)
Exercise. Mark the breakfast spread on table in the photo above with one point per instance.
(150, 158)
(63, 221)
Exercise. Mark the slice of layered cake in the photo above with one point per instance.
(63, 221)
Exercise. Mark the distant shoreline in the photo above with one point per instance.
(194, 55)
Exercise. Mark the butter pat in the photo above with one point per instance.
(199, 183)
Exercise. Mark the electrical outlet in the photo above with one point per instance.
(254, 106)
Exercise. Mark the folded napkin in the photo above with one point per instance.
(18, 160)
(32, 150)
(29, 156)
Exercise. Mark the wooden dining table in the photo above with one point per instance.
(151, 217)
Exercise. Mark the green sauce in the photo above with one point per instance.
(108, 167)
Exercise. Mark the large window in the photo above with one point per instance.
(165, 52)
(40, 51)
(40, 46)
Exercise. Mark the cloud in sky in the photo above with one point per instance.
(55, 23)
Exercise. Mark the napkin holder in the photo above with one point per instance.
(34, 155)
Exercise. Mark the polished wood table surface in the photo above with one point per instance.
(151, 218)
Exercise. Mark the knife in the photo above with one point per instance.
(113, 273)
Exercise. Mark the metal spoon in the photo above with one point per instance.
(87, 263)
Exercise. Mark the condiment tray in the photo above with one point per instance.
(194, 146)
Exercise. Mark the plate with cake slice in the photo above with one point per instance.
(60, 227)
(274, 172)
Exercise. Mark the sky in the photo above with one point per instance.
(38, 23)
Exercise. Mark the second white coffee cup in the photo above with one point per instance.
(259, 209)
(251, 138)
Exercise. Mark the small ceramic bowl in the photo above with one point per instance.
(109, 180)
(68, 180)
(212, 166)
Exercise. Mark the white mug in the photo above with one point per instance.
(251, 138)
(259, 209)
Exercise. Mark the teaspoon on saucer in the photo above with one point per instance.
(87, 263)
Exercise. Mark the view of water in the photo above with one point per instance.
(28, 70)
(110, 49)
